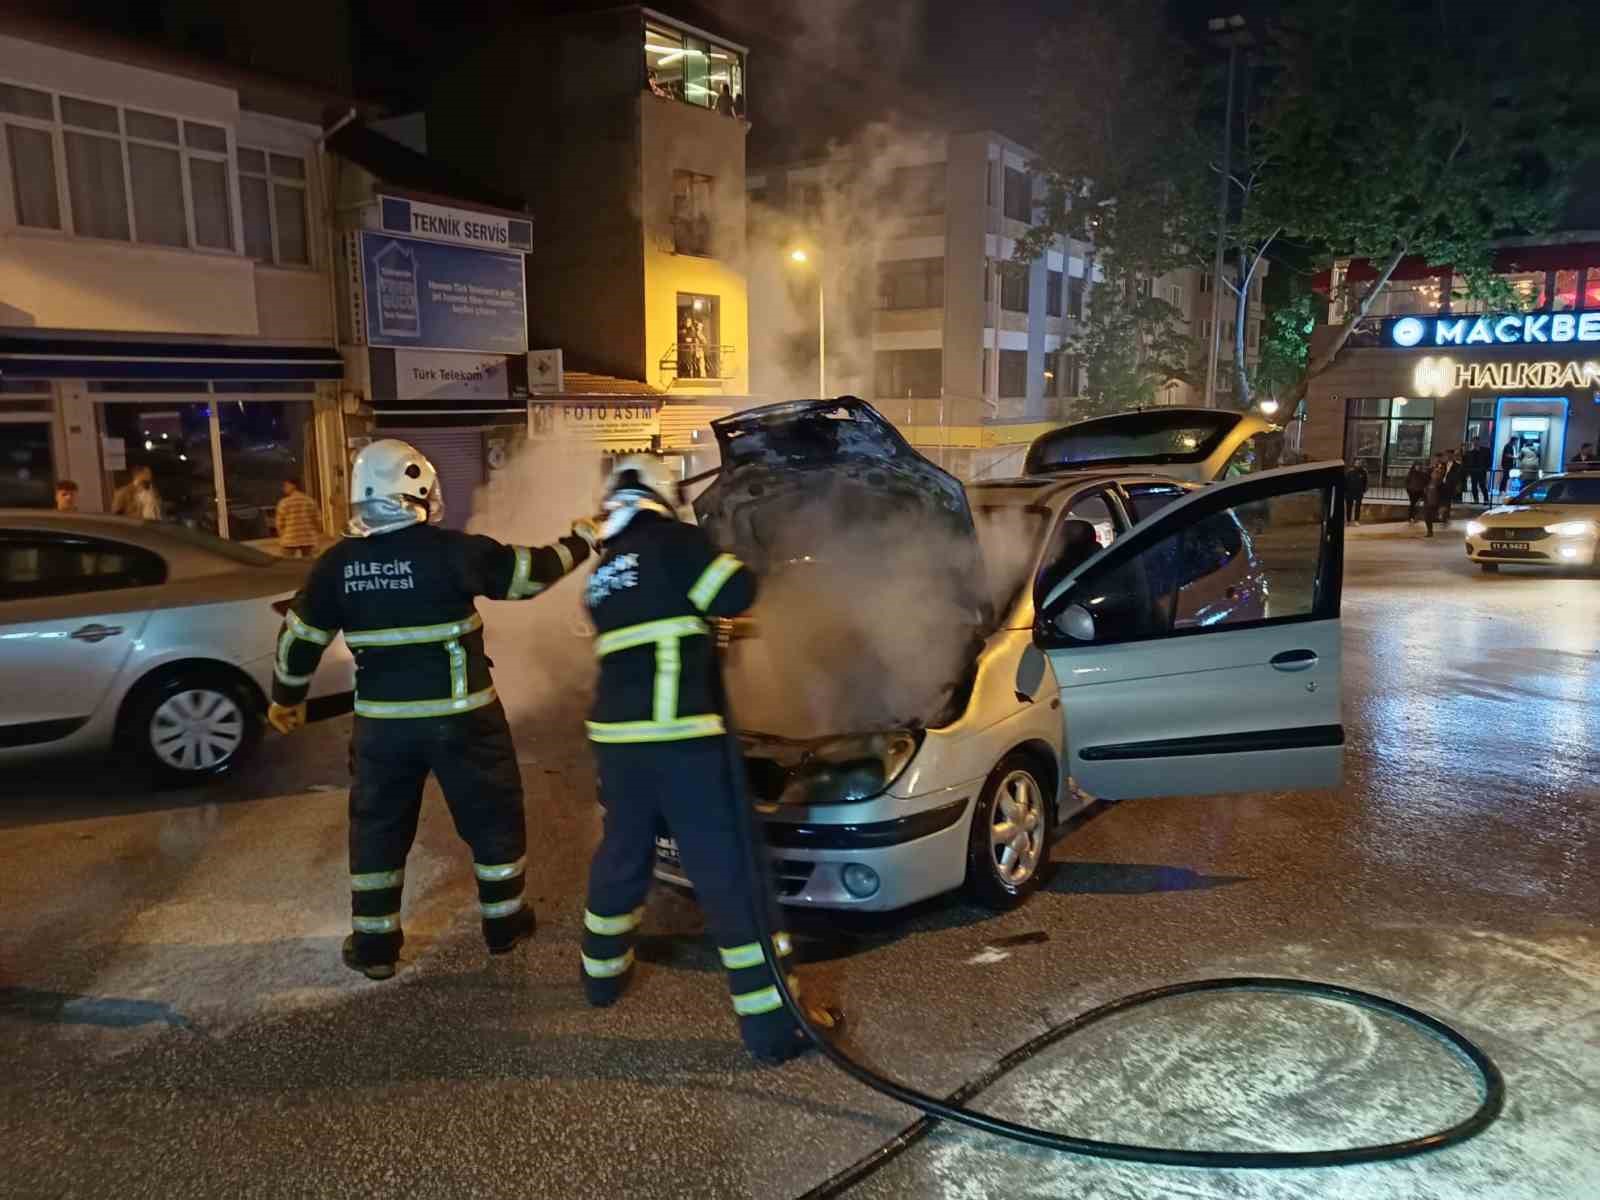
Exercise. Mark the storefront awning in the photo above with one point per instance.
(41, 356)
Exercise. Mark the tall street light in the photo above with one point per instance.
(801, 256)
(1231, 32)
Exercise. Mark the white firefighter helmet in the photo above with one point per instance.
(392, 485)
(642, 478)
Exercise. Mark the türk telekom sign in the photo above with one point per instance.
(1506, 329)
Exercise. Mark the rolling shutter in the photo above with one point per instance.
(457, 454)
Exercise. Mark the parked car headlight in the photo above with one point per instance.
(1476, 528)
(845, 770)
(1570, 528)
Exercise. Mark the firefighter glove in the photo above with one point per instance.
(588, 529)
(286, 718)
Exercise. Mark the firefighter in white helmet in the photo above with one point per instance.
(658, 734)
(402, 590)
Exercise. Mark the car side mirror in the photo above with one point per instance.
(1077, 622)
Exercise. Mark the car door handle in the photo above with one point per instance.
(96, 633)
(1294, 660)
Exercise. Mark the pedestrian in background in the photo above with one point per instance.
(1433, 493)
(298, 523)
(138, 497)
(1416, 487)
(1355, 490)
(1585, 455)
(66, 496)
(1508, 461)
(1455, 473)
(1478, 460)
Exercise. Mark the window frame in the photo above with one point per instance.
(892, 272)
(1013, 278)
(58, 127)
(1021, 374)
(696, 244)
(1008, 209)
(1055, 292)
(88, 542)
(273, 181)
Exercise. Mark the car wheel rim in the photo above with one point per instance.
(196, 730)
(1016, 832)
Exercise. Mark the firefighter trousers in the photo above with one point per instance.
(473, 757)
(685, 786)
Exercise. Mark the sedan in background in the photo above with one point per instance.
(1554, 522)
(152, 639)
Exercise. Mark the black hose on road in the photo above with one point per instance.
(952, 1108)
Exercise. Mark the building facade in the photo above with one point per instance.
(1431, 370)
(925, 312)
(165, 295)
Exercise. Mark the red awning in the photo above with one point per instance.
(1508, 260)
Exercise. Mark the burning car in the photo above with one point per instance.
(936, 678)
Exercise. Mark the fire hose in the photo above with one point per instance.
(953, 1107)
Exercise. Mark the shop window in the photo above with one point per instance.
(1013, 373)
(902, 374)
(681, 66)
(691, 213)
(1386, 436)
(700, 354)
(1566, 290)
(272, 197)
(911, 283)
(1014, 287)
(919, 191)
(1052, 293)
(1018, 195)
(131, 175)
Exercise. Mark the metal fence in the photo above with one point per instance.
(1490, 487)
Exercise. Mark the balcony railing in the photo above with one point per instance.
(692, 365)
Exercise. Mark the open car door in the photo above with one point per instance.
(1200, 652)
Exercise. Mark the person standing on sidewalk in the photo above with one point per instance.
(299, 525)
(1478, 460)
(1454, 484)
(1433, 493)
(1355, 489)
(1416, 487)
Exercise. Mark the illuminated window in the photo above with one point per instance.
(682, 66)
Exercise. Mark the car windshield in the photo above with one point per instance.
(237, 552)
(1009, 536)
(1569, 490)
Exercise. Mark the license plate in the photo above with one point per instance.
(1496, 546)
(667, 851)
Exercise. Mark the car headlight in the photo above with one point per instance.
(845, 770)
(1570, 528)
(1476, 528)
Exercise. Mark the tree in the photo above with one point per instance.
(1285, 344)
(1131, 347)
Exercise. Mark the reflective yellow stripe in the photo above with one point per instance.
(377, 881)
(522, 585)
(753, 1004)
(496, 872)
(651, 631)
(290, 680)
(607, 968)
(414, 634)
(705, 589)
(749, 955)
(458, 668)
(308, 633)
(386, 924)
(564, 555)
(499, 908)
(424, 708)
(652, 731)
(669, 665)
(612, 926)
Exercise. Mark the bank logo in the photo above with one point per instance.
(1434, 377)
(1408, 331)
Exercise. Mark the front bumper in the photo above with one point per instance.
(913, 857)
(1538, 548)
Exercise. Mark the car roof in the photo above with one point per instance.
(1039, 489)
(184, 557)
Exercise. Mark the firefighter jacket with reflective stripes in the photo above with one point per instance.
(651, 598)
(404, 601)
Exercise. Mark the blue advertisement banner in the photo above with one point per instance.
(423, 295)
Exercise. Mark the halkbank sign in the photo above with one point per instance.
(1442, 376)
(1509, 329)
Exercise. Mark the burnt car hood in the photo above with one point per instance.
(873, 595)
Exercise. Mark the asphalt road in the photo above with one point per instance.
(173, 1021)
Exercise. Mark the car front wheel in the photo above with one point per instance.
(1010, 840)
(193, 725)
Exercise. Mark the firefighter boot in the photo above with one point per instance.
(507, 933)
(357, 961)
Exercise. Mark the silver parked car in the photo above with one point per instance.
(931, 684)
(153, 639)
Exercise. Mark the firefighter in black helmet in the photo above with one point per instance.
(402, 590)
(659, 741)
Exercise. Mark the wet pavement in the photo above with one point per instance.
(174, 1021)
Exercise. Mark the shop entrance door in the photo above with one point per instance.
(1534, 431)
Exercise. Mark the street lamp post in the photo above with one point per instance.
(1230, 32)
(801, 256)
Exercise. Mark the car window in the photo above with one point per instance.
(1071, 544)
(1096, 510)
(1254, 562)
(236, 552)
(35, 565)
(1562, 491)
(1147, 499)
(1259, 452)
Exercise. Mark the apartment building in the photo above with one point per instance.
(164, 294)
(1189, 291)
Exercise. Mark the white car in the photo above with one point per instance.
(1554, 522)
(1132, 636)
(153, 639)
